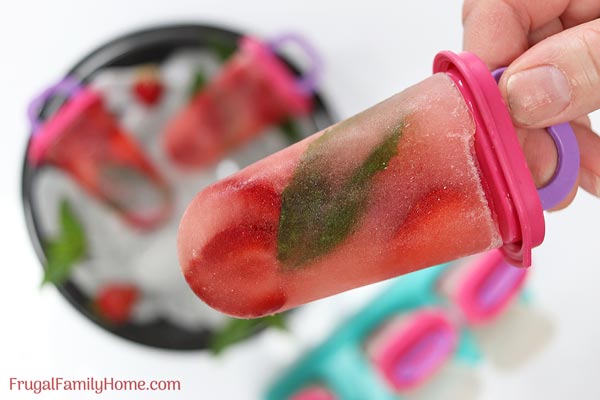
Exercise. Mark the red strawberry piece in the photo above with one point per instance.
(442, 226)
(148, 90)
(236, 271)
(115, 301)
(251, 202)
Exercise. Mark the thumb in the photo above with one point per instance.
(556, 80)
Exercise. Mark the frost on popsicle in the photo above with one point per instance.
(315, 214)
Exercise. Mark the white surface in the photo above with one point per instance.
(372, 49)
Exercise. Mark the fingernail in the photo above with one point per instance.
(536, 94)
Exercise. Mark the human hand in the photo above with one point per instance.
(552, 49)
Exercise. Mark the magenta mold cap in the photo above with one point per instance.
(507, 181)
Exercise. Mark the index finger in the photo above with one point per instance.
(498, 30)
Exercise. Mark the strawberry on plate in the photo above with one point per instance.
(115, 301)
(148, 89)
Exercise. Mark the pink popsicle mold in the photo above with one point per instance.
(488, 288)
(412, 351)
(79, 99)
(507, 181)
(291, 91)
(314, 393)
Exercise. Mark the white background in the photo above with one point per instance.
(372, 50)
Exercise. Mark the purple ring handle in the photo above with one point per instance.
(567, 169)
(67, 86)
(309, 80)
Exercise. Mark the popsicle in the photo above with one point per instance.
(253, 90)
(391, 190)
(84, 139)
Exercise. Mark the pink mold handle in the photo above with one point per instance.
(506, 179)
(409, 350)
(253, 91)
(85, 141)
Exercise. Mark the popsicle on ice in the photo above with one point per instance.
(85, 141)
(253, 90)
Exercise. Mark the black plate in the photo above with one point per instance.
(142, 47)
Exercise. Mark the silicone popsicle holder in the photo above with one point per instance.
(342, 363)
(487, 290)
(417, 349)
(68, 87)
(310, 78)
(508, 182)
(294, 91)
(567, 169)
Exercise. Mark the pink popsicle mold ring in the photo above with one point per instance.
(314, 393)
(507, 182)
(417, 349)
(295, 93)
(79, 98)
(488, 288)
(68, 86)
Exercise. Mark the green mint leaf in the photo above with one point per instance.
(67, 249)
(72, 233)
(276, 321)
(237, 330)
(315, 217)
(291, 131)
(223, 49)
(199, 82)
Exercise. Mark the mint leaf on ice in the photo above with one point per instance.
(198, 83)
(291, 130)
(222, 49)
(65, 250)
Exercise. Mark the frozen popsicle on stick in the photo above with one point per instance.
(85, 141)
(429, 175)
(254, 90)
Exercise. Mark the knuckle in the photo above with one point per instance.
(590, 43)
